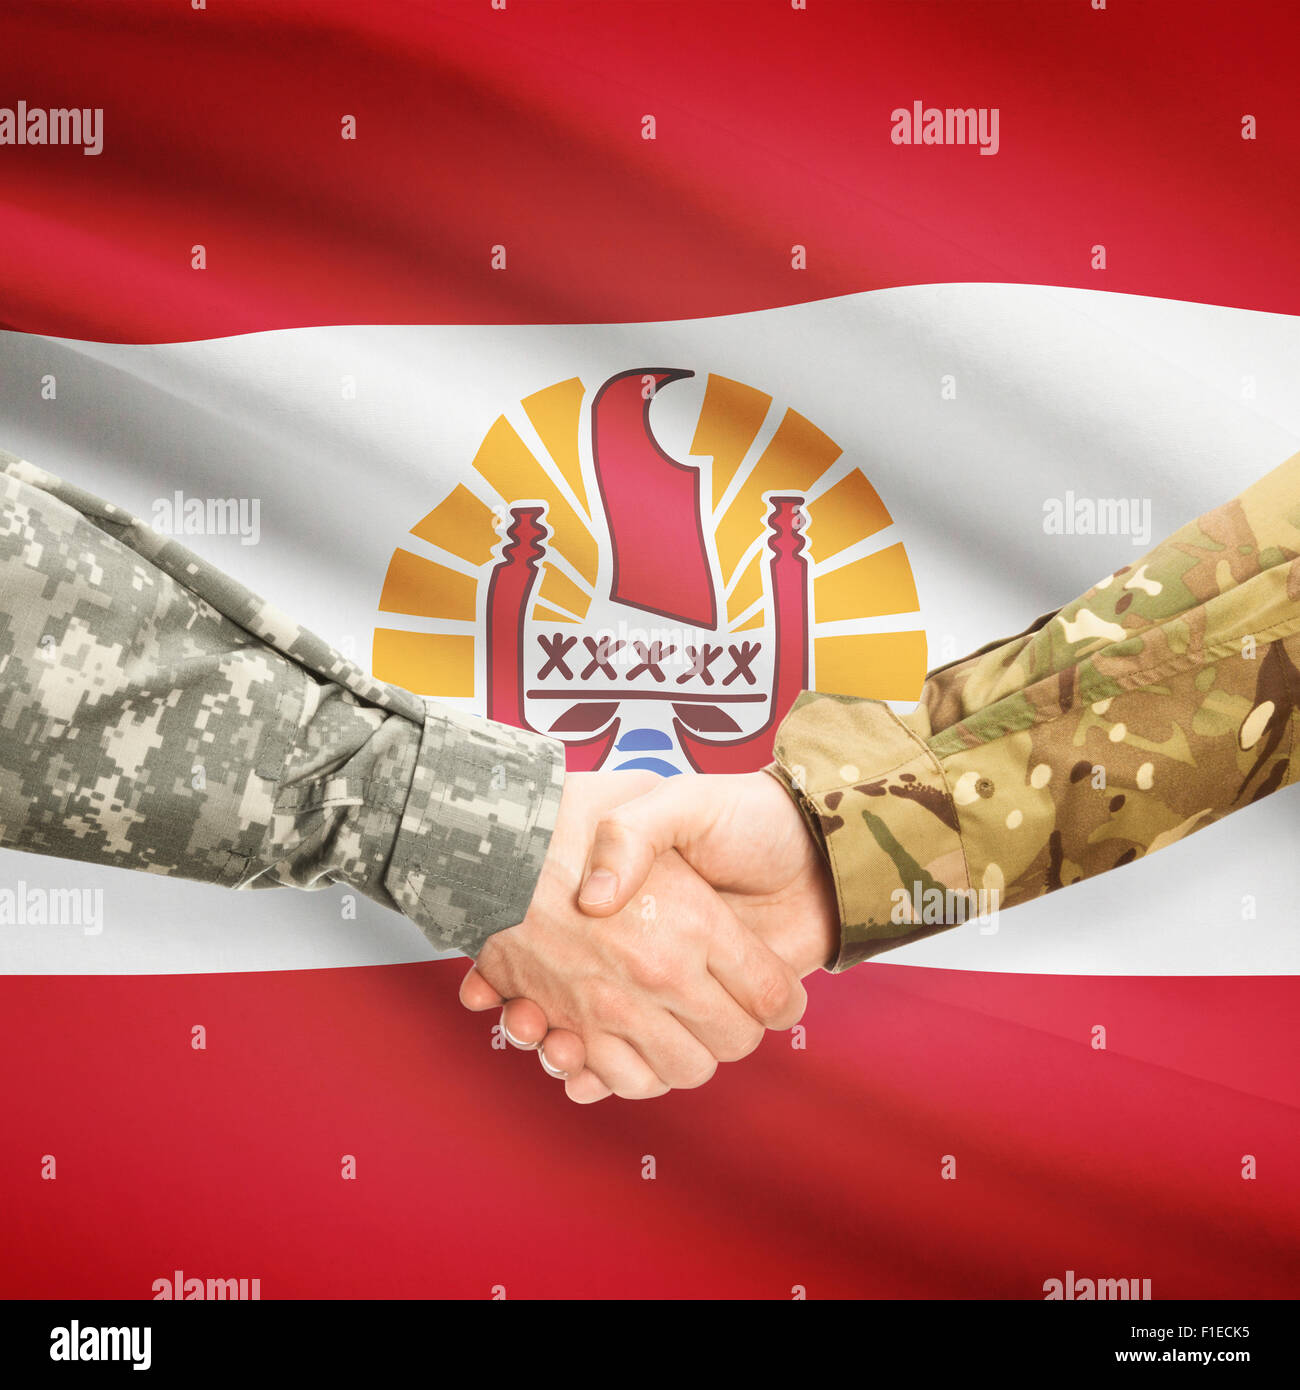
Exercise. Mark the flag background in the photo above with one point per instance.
(1169, 375)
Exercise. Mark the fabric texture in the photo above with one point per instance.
(1151, 706)
(156, 715)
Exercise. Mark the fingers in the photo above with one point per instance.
(658, 997)
(630, 837)
(616, 1067)
(560, 1051)
(672, 1052)
(669, 1053)
(476, 994)
(760, 982)
(721, 1027)
(586, 1088)
(562, 1054)
(620, 1067)
(523, 1023)
(666, 1056)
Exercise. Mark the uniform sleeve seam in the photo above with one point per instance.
(1130, 682)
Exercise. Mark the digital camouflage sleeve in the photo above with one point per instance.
(1162, 699)
(156, 715)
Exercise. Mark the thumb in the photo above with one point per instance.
(630, 837)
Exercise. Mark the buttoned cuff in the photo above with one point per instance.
(888, 826)
(476, 827)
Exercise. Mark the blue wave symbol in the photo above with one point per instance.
(651, 765)
(647, 741)
(643, 740)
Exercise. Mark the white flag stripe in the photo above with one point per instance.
(1052, 391)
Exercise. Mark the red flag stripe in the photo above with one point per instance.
(523, 129)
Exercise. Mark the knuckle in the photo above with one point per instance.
(615, 832)
(652, 970)
(489, 953)
(773, 996)
(605, 1002)
(698, 1075)
(491, 962)
(649, 957)
(586, 1088)
(643, 1088)
(741, 1043)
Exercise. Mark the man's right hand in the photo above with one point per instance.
(659, 987)
(745, 836)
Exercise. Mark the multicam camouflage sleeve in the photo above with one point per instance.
(1162, 699)
(156, 715)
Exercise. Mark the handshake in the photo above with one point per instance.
(671, 925)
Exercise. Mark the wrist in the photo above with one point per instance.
(816, 940)
(810, 939)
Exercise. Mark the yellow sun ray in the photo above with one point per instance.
(429, 662)
(558, 588)
(797, 455)
(729, 421)
(876, 665)
(420, 587)
(554, 414)
(506, 463)
(460, 524)
(845, 514)
(876, 584)
(543, 614)
(748, 589)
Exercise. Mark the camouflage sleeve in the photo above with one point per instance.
(1155, 704)
(156, 715)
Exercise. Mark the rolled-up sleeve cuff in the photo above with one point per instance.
(885, 816)
(476, 827)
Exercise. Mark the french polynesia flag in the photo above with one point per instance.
(345, 287)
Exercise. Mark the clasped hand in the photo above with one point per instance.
(671, 925)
